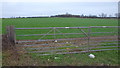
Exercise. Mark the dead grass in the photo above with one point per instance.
(11, 55)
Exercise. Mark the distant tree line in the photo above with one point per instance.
(102, 15)
(32, 17)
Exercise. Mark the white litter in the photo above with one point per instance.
(104, 26)
(56, 58)
(67, 27)
(77, 46)
(92, 56)
(55, 41)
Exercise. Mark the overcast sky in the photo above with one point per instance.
(59, 0)
(53, 7)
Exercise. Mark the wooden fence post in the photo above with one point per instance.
(11, 34)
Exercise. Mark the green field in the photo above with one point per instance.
(58, 22)
(81, 59)
(104, 58)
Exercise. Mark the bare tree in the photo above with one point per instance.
(103, 15)
(110, 15)
(82, 15)
(116, 14)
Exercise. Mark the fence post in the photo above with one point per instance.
(11, 34)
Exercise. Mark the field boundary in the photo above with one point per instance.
(85, 44)
(12, 35)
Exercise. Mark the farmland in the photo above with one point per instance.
(80, 59)
(57, 22)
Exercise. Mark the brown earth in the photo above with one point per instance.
(82, 42)
(75, 41)
(11, 57)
